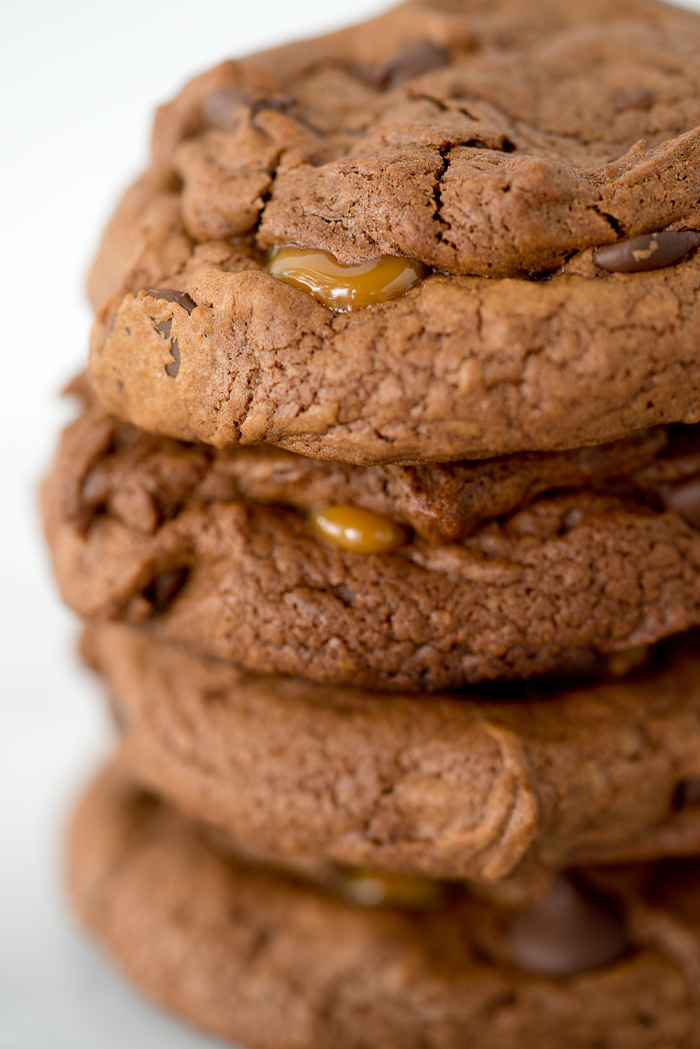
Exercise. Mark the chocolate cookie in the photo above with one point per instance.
(460, 787)
(471, 139)
(143, 480)
(155, 532)
(260, 959)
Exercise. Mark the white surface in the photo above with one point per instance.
(80, 80)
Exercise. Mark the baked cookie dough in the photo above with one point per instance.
(155, 532)
(258, 958)
(459, 787)
(472, 139)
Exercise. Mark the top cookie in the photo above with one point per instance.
(500, 140)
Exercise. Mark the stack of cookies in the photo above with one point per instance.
(383, 512)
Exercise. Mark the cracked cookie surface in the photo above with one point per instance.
(472, 138)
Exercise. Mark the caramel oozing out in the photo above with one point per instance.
(628, 660)
(344, 287)
(361, 531)
(366, 888)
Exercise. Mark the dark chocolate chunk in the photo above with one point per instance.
(570, 931)
(687, 795)
(684, 496)
(163, 327)
(221, 109)
(180, 297)
(412, 61)
(282, 103)
(174, 367)
(634, 98)
(165, 587)
(652, 251)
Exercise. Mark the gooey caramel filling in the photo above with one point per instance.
(369, 888)
(344, 287)
(361, 531)
(620, 664)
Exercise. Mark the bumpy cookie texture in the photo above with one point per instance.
(144, 480)
(470, 137)
(265, 961)
(461, 787)
(143, 530)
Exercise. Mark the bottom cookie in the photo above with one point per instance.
(257, 957)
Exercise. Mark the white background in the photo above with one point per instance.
(79, 82)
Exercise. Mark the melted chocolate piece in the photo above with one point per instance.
(652, 251)
(164, 327)
(221, 107)
(165, 588)
(685, 498)
(180, 297)
(634, 98)
(412, 61)
(687, 795)
(568, 932)
(174, 367)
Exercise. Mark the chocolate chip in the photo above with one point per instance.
(634, 98)
(221, 108)
(570, 931)
(283, 103)
(652, 251)
(421, 56)
(180, 297)
(163, 327)
(174, 367)
(687, 795)
(684, 497)
(165, 588)
(344, 594)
